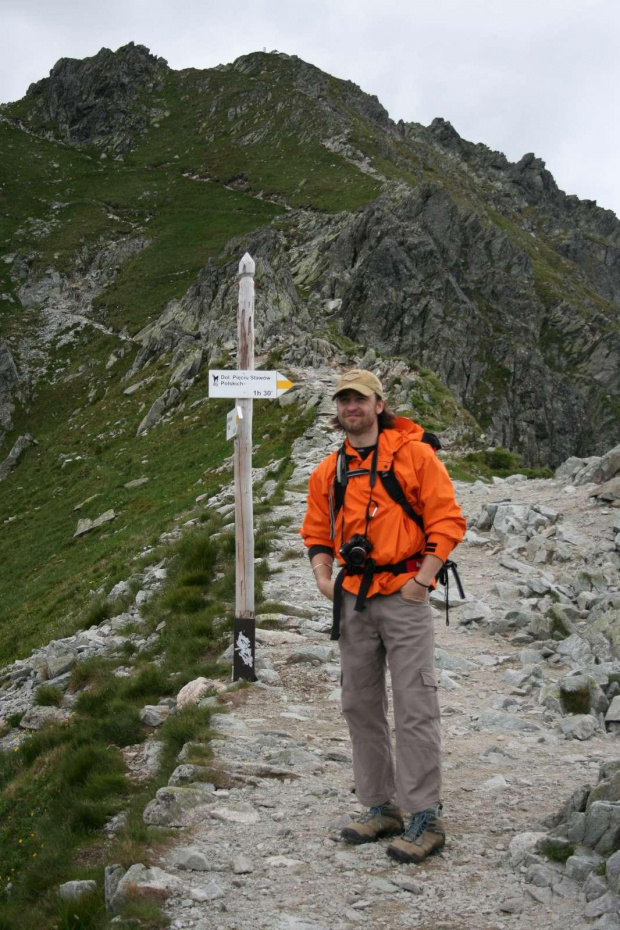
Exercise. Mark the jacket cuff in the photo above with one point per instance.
(439, 546)
(314, 550)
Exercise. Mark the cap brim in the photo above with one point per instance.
(360, 388)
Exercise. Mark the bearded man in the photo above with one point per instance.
(383, 506)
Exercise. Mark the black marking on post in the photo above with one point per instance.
(244, 649)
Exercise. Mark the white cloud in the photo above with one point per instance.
(533, 75)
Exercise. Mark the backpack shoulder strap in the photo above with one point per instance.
(392, 485)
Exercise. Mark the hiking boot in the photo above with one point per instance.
(383, 820)
(424, 835)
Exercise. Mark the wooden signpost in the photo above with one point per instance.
(244, 385)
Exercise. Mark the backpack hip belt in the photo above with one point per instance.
(411, 564)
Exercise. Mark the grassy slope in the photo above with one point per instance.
(58, 571)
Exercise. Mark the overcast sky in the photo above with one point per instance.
(519, 75)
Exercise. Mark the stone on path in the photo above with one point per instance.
(452, 663)
(278, 637)
(235, 812)
(613, 714)
(142, 882)
(210, 892)
(194, 690)
(497, 720)
(316, 655)
(191, 859)
(178, 806)
(241, 865)
(579, 726)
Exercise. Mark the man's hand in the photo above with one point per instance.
(412, 591)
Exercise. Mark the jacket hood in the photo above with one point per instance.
(409, 428)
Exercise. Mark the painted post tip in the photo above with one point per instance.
(247, 264)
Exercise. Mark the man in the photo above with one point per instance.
(389, 553)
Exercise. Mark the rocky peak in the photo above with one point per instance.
(96, 101)
(329, 92)
(446, 135)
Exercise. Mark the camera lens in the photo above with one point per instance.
(357, 555)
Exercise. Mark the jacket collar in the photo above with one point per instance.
(390, 441)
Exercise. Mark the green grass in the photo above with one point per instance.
(66, 781)
(178, 457)
(488, 462)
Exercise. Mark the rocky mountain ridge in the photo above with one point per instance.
(479, 269)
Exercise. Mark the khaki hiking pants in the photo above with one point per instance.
(401, 631)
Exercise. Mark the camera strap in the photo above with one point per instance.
(360, 602)
(339, 487)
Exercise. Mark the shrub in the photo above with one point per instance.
(197, 556)
(47, 738)
(151, 681)
(558, 850)
(189, 724)
(87, 817)
(81, 763)
(500, 459)
(186, 600)
(48, 696)
(104, 785)
(89, 671)
(123, 726)
(97, 613)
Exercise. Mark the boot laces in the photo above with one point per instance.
(371, 813)
(418, 824)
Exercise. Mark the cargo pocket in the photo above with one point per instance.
(431, 702)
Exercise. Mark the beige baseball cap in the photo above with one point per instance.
(364, 382)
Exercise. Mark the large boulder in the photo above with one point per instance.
(608, 492)
(15, 454)
(602, 469)
(580, 694)
(608, 625)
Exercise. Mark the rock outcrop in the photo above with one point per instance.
(98, 100)
(15, 454)
(446, 253)
(9, 379)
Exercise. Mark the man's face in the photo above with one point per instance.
(356, 413)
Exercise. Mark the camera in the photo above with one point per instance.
(356, 551)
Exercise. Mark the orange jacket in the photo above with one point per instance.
(394, 535)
